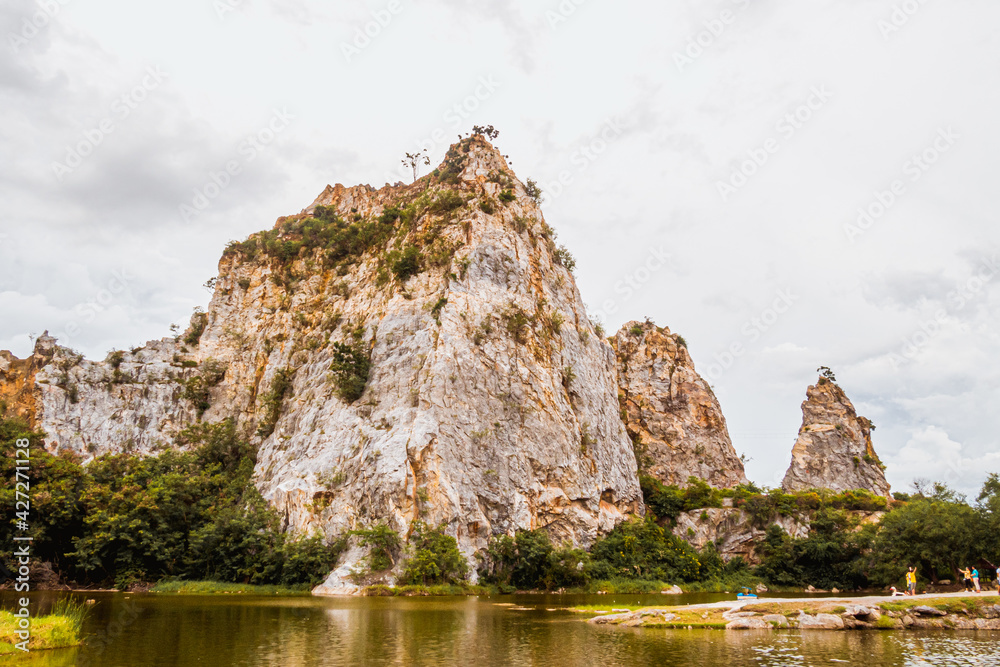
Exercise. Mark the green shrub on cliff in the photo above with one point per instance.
(405, 263)
(273, 400)
(350, 369)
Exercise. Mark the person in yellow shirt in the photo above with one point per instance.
(911, 581)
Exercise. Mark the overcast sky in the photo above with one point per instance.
(740, 138)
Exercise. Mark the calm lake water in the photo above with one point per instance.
(153, 630)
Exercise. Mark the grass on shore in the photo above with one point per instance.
(60, 629)
(381, 590)
(222, 588)
(644, 586)
(712, 617)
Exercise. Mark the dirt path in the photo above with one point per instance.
(865, 600)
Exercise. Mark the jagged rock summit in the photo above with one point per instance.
(834, 448)
(670, 412)
(416, 352)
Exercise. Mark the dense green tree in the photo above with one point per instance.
(192, 513)
(644, 550)
(54, 487)
(935, 531)
(436, 558)
(529, 561)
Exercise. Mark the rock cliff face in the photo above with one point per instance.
(834, 448)
(18, 376)
(410, 353)
(670, 412)
(734, 532)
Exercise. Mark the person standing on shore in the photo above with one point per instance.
(975, 579)
(911, 581)
(966, 579)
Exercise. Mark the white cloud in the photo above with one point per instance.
(931, 454)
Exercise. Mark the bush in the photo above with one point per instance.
(507, 196)
(273, 401)
(406, 263)
(529, 561)
(564, 258)
(667, 502)
(533, 191)
(198, 323)
(517, 322)
(435, 560)
(383, 546)
(641, 549)
(350, 368)
(340, 241)
(447, 201)
(116, 357)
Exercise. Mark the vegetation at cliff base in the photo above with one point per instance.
(435, 558)
(186, 587)
(191, 514)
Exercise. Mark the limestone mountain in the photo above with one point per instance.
(670, 412)
(834, 447)
(417, 352)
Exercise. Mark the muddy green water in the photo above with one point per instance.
(153, 630)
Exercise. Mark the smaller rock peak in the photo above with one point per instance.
(45, 345)
(834, 448)
(637, 329)
(670, 412)
(634, 334)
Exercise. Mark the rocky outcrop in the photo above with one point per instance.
(17, 379)
(733, 531)
(411, 353)
(834, 448)
(670, 412)
(134, 402)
